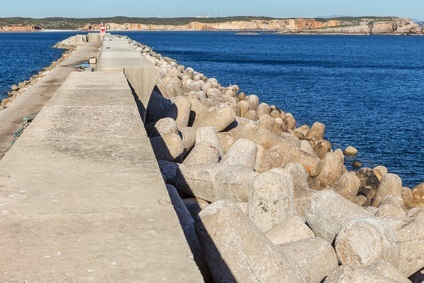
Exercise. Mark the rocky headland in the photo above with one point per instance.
(270, 200)
(346, 25)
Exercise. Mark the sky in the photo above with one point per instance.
(215, 8)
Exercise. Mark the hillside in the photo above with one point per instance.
(339, 25)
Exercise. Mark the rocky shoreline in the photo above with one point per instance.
(271, 201)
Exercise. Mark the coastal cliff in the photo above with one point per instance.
(342, 25)
(396, 26)
(19, 28)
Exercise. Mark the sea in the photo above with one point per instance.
(367, 90)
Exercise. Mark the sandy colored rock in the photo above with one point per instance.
(349, 273)
(291, 229)
(171, 87)
(306, 147)
(360, 200)
(329, 212)
(263, 109)
(271, 198)
(226, 141)
(229, 182)
(279, 127)
(275, 114)
(390, 211)
(316, 132)
(169, 147)
(391, 184)
(164, 127)
(393, 200)
(407, 196)
(248, 132)
(263, 160)
(347, 185)
(242, 153)
(267, 139)
(322, 148)
(265, 122)
(209, 134)
(253, 101)
(251, 115)
(289, 121)
(218, 118)
(365, 241)
(243, 106)
(388, 270)
(410, 239)
(380, 171)
(329, 169)
(237, 251)
(350, 150)
(314, 256)
(418, 196)
(290, 139)
(302, 131)
(183, 105)
(188, 136)
(302, 193)
(416, 212)
(203, 153)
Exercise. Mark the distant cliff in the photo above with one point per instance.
(19, 28)
(396, 26)
(345, 25)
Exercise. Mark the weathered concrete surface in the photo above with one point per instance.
(34, 98)
(117, 54)
(81, 195)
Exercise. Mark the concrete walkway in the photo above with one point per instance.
(35, 97)
(81, 195)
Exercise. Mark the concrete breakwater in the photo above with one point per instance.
(259, 198)
(262, 189)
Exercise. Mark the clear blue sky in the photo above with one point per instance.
(215, 8)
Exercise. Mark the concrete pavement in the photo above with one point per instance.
(34, 98)
(81, 195)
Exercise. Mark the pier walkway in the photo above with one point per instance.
(34, 98)
(81, 195)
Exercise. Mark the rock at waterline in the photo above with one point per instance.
(350, 150)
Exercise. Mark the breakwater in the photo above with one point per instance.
(257, 173)
(258, 198)
(362, 88)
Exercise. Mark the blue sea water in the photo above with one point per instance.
(25, 54)
(367, 90)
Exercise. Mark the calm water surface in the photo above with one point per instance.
(25, 54)
(367, 90)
